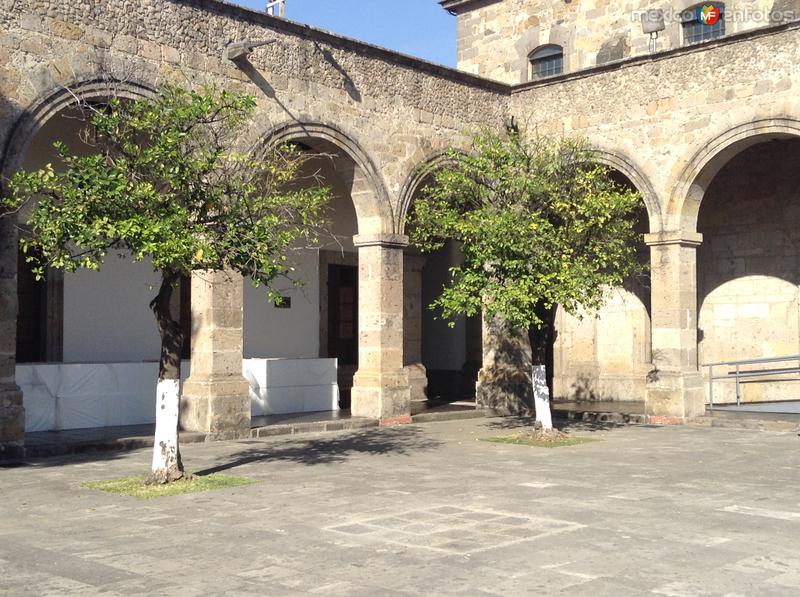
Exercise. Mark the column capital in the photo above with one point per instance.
(675, 237)
(389, 241)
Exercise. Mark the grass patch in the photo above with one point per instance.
(523, 439)
(135, 486)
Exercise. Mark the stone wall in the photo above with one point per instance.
(605, 356)
(670, 122)
(658, 116)
(496, 38)
(399, 109)
(383, 113)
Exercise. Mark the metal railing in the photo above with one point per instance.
(738, 374)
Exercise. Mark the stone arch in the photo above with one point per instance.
(633, 172)
(693, 182)
(46, 107)
(33, 120)
(415, 181)
(606, 355)
(748, 284)
(420, 173)
(371, 200)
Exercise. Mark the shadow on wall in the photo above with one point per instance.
(639, 285)
(261, 82)
(249, 69)
(749, 218)
(747, 266)
(584, 390)
(398, 441)
(504, 385)
(606, 356)
(10, 114)
(347, 81)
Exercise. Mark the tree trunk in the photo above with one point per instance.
(542, 340)
(167, 465)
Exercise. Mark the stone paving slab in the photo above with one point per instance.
(421, 510)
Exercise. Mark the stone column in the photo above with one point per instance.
(380, 388)
(675, 390)
(504, 382)
(12, 414)
(216, 397)
(412, 326)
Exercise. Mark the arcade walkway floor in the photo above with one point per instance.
(421, 510)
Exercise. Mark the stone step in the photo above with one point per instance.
(764, 421)
(588, 416)
(448, 415)
(313, 427)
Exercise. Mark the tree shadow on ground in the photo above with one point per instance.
(520, 423)
(403, 441)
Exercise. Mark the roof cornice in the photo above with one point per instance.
(461, 6)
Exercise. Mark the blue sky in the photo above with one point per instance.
(418, 27)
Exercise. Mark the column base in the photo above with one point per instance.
(217, 407)
(674, 397)
(418, 380)
(382, 396)
(504, 391)
(12, 421)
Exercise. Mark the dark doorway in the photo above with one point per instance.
(31, 328)
(343, 325)
(185, 291)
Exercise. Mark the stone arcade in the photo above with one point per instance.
(707, 132)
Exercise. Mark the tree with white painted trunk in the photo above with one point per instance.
(170, 179)
(541, 224)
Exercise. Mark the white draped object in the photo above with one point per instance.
(61, 396)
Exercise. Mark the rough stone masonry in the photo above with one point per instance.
(668, 122)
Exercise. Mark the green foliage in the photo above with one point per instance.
(540, 222)
(164, 179)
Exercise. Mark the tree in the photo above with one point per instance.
(541, 224)
(166, 180)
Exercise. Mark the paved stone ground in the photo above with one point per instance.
(423, 509)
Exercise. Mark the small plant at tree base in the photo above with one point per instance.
(166, 180)
(541, 224)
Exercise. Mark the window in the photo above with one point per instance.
(703, 23)
(546, 61)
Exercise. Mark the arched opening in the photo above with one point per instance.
(451, 355)
(606, 356)
(86, 342)
(442, 360)
(97, 334)
(311, 339)
(318, 318)
(747, 267)
(601, 357)
(78, 314)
